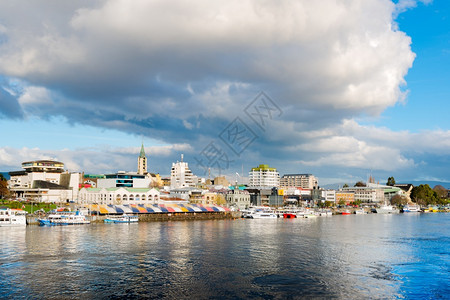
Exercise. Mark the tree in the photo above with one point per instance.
(360, 184)
(220, 199)
(424, 195)
(4, 191)
(390, 181)
(399, 200)
(441, 191)
(345, 185)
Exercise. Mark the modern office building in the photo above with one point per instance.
(264, 176)
(304, 181)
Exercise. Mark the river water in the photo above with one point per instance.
(405, 256)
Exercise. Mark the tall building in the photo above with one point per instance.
(181, 176)
(264, 177)
(304, 181)
(142, 162)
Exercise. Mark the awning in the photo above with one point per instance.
(148, 209)
(195, 208)
(162, 208)
(119, 210)
(133, 209)
(156, 208)
(170, 209)
(215, 208)
(125, 209)
(187, 207)
(139, 208)
(202, 208)
(208, 208)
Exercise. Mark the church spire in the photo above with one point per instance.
(142, 154)
(142, 161)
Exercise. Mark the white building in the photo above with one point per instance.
(329, 195)
(264, 177)
(44, 181)
(237, 198)
(118, 196)
(181, 176)
(304, 181)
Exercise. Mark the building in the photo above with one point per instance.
(44, 181)
(366, 194)
(142, 162)
(304, 181)
(221, 180)
(118, 196)
(181, 176)
(238, 198)
(124, 179)
(344, 197)
(329, 195)
(264, 177)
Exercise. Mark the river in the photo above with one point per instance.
(404, 256)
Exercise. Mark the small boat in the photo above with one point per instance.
(360, 211)
(387, 209)
(325, 213)
(346, 212)
(289, 215)
(62, 218)
(409, 208)
(12, 217)
(122, 219)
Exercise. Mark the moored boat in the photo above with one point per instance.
(409, 208)
(346, 212)
(12, 217)
(387, 209)
(122, 219)
(263, 215)
(64, 218)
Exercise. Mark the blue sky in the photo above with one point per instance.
(356, 88)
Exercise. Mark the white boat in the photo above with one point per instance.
(12, 217)
(411, 208)
(360, 211)
(64, 218)
(387, 209)
(263, 215)
(325, 213)
(122, 219)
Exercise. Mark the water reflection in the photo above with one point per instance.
(370, 256)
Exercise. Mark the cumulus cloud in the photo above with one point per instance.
(180, 72)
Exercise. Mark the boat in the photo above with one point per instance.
(12, 217)
(346, 212)
(325, 213)
(263, 215)
(122, 219)
(409, 208)
(289, 215)
(62, 218)
(360, 211)
(387, 209)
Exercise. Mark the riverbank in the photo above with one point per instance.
(162, 217)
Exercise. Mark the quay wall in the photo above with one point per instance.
(162, 217)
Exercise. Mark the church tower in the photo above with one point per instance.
(142, 162)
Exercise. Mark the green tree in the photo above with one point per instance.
(390, 181)
(345, 185)
(424, 195)
(360, 184)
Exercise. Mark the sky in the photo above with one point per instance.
(342, 89)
